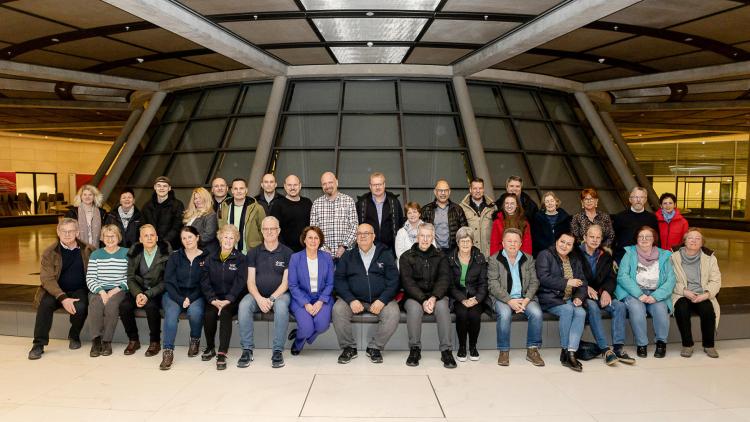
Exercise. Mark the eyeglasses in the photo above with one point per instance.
(442, 190)
(637, 197)
(269, 229)
(68, 232)
(364, 233)
(589, 199)
(645, 237)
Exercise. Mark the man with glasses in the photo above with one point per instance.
(627, 222)
(445, 215)
(381, 210)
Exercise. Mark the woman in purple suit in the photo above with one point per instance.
(311, 286)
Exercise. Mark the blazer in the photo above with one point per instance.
(299, 280)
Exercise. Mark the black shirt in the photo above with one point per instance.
(293, 217)
(72, 276)
(269, 267)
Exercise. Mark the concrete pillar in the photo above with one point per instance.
(117, 145)
(132, 143)
(267, 131)
(747, 183)
(473, 140)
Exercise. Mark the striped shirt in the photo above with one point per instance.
(337, 219)
(107, 270)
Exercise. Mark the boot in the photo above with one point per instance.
(195, 346)
(573, 363)
(96, 347)
(166, 359)
(132, 346)
(153, 349)
(106, 348)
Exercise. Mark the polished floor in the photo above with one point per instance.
(21, 248)
(70, 386)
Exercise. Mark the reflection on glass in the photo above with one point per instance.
(246, 132)
(315, 96)
(149, 168)
(433, 165)
(182, 106)
(549, 170)
(235, 165)
(484, 100)
(370, 95)
(256, 98)
(521, 102)
(166, 138)
(307, 165)
(536, 136)
(373, 131)
(190, 169)
(425, 97)
(496, 133)
(218, 101)
(431, 131)
(203, 134)
(355, 167)
(309, 131)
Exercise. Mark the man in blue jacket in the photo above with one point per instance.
(366, 280)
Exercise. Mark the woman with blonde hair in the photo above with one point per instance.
(200, 214)
(87, 209)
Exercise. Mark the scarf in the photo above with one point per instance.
(647, 259)
(691, 265)
(125, 216)
(411, 231)
(668, 216)
(241, 243)
(567, 274)
(89, 231)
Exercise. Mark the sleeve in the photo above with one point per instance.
(391, 279)
(402, 240)
(576, 229)
(398, 214)
(666, 275)
(314, 217)
(351, 234)
(443, 282)
(170, 279)
(239, 282)
(544, 271)
(340, 281)
(626, 276)
(158, 288)
(298, 295)
(455, 281)
(527, 242)
(48, 277)
(358, 207)
(533, 286)
(327, 292)
(609, 282)
(609, 231)
(496, 237)
(713, 285)
(495, 282)
(210, 227)
(92, 273)
(174, 230)
(482, 282)
(581, 292)
(407, 281)
(206, 286)
(462, 222)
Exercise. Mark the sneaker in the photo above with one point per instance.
(686, 352)
(461, 354)
(473, 354)
(106, 348)
(96, 347)
(447, 357)
(711, 352)
(74, 344)
(194, 347)
(347, 355)
(375, 355)
(132, 346)
(221, 362)
(36, 352)
(503, 358)
(208, 354)
(622, 356)
(641, 351)
(661, 349)
(415, 354)
(277, 359)
(533, 356)
(167, 358)
(245, 359)
(610, 358)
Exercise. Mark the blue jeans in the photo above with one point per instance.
(637, 312)
(248, 307)
(504, 313)
(172, 311)
(572, 321)
(617, 310)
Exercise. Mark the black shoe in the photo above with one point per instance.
(573, 363)
(221, 362)
(641, 351)
(96, 347)
(294, 351)
(473, 353)
(461, 354)
(347, 355)
(36, 352)
(74, 344)
(277, 359)
(292, 334)
(415, 354)
(245, 359)
(106, 348)
(622, 356)
(374, 355)
(447, 357)
(563, 356)
(661, 349)
(208, 354)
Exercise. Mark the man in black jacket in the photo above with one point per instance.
(445, 215)
(127, 217)
(381, 210)
(366, 280)
(164, 212)
(268, 194)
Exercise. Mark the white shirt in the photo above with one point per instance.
(312, 269)
(647, 277)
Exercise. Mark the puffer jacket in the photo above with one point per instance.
(456, 218)
(480, 223)
(424, 273)
(150, 284)
(476, 276)
(552, 282)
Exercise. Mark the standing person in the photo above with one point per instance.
(468, 291)
(629, 222)
(478, 209)
(562, 290)
(602, 281)
(512, 283)
(293, 213)
(514, 184)
(407, 235)
(445, 216)
(698, 281)
(510, 216)
(219, 193)
(268, 284)
(201, 215)
(146, 263)
(381, 210)
(224, 282)
(244, 213)
(182, 279)
(164, 212)
(107, 280)
(366, 279)
(645, 282)
(268, 195)
(311, 287)
(589, 214)
(63, 277)
(87, 209)
(672, 225)
(425, 276)
(548, 222)
(335, 213)
(127, 217)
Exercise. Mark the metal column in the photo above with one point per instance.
(267, 131)
(117, 145)
(473, 140)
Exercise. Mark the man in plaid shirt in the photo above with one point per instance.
(336, 215)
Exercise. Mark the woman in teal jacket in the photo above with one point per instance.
(644, 283)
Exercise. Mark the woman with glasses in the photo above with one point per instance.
(589, 214)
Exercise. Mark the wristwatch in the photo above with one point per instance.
(272, 298)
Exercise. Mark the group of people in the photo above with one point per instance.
(229, 254)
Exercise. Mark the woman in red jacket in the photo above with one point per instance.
(672, 225)
(511, 214)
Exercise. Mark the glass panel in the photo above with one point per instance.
(574, 139)
(421, 196)
(610, 202)
(218, 101)
(246, 132)
(591, 173)
(148, 169)
(431, 131)
(536, 136)
(502, 166)
(166, 138)
(496, 133)
(374, 131)
(426, 167)
(558, 108)
(315, 96)
(425, 97)
(484, 101)
(309, 131)
(235, 164)
(182, 106)
(203, 134)
(370, 95)
(183, 194)
(142, 195)
(570, 200)
(256, 98)
(308, 165)
(521, 102)
(370, 29)
(369, 54)
(190, 169)
(549, 170)
(355, 167)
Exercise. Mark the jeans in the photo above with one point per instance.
(387, 324)
(248, 307)
(103, 318)
(572, 321)
(504, 313)
(442, 312)
(683, 309)
(212, 318)
(637, 313)
(172, 311)
(153, 316)
(617, 310)
(46, 311)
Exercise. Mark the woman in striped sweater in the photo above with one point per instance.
(106, 278)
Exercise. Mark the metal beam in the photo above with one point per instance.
(205, 79)
(62, 104)
(265, 140)
(473, 139)
(676, 126)
(527, 78)
(117, 146)
(554, 23)
(343, 70)
(685, 105)
(60, 126)
(24, 85)
(73, 76)
(190, 25)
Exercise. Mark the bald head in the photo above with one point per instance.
(442, 192)
(329, 184)
(268, 184)
(292, 187)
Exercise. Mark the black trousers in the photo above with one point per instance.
(46, 311)
(468, 321)
(153, 316)
(683, 309)
(211, 319)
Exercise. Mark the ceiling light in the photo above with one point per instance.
(601, 60)
(688, 39)
(101, 133)
(139, 60)
(616, 27)
(127, 28)
(255, 17)
(370, 14)
(62, 88)
(486, 17)
(55, 39)
(370, 43)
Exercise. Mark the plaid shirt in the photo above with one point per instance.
(337, 219)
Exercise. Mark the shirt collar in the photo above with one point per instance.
(70, 249)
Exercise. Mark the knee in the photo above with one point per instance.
(281, 307)
(341, 308)
(390, 312)
(579, 312)
(566, 310)
(502, 310)
(534, 312)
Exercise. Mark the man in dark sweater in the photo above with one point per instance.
(268, 195)
(381, 210)
(63, 277)
(219, 192)
(627, 223)
(293, 213)
(164, 212)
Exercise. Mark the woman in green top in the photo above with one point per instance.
(468, 290)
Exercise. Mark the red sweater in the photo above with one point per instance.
(496, 238)
(670, 234)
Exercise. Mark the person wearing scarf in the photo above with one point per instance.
(407, 235)
(672, 225)
(127, 217)
(87, 209)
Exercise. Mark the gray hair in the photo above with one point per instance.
(271, 218)
(426, 226)
(463, 233)
(66, 221)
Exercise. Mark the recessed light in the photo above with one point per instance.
(370, 14)
(486, 17)
(688, 39)
(55, 39)
(370, 43)
(616, 27)
(127, 28)
(101, 133)
(255, 17)
(139, 60)
(601, 60)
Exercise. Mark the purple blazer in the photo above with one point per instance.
(299, 280)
